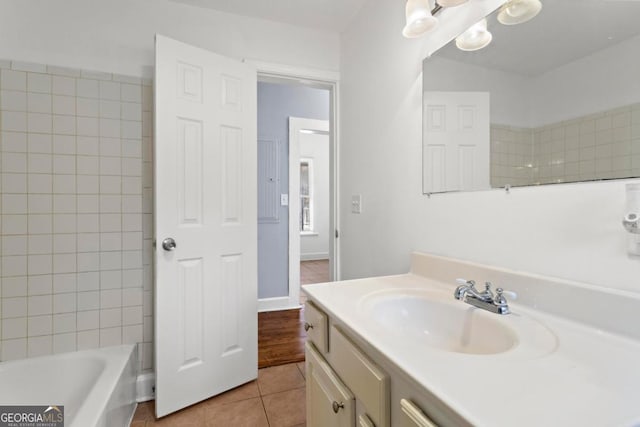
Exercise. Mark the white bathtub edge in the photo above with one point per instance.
(145, 387)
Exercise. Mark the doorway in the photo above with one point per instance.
(289, 218)
(310, 194)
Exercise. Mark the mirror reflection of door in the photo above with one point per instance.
(456, 141)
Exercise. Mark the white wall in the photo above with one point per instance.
(595, 83)
(569, 231)
(118, 35)
(316, 245)
(604, 80)
(510, 95)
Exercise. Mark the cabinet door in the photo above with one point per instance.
(412, 416)
(364, 421)
(316, 326)
(329, 401)
(367, 381)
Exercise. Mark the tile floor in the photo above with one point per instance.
(275, 399)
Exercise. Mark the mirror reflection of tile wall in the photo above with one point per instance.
(598, 146)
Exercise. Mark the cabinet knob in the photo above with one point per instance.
(336, 406)
(307, 326)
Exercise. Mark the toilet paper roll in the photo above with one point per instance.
(631, 222)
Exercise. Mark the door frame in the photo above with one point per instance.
(296, 125)
(321, 79)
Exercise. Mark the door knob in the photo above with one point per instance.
(169, 244)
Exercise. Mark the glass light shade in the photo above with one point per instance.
(518, 11)
(475, 38)
(419, 19)
(451, 3)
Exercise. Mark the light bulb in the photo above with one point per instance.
(518, 11)
(419, 18)
(475, 38)
(450, 3)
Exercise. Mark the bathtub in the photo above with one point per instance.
(96, 387)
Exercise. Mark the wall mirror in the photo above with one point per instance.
(555, 99)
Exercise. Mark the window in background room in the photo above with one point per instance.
(306, 195)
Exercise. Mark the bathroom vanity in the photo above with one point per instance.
(402, 351)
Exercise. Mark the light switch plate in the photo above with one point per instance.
(284, 200)
(356, 203)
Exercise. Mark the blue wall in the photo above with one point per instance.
(276, 103)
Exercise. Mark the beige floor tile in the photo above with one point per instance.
(301, 366)
(285, 409)
(193, 416)
(279, 378)
(243, 392)
(245, 413)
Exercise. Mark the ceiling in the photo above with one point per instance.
(564, 31)
(328, 15)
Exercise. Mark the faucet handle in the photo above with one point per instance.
(501, 302)
(501, 293)
(471, 283)
(499, 298)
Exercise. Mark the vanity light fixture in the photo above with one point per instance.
(451, 3)
(518, 11)
(419, 19)
(475, 38)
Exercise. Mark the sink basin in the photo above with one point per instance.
(447, 325)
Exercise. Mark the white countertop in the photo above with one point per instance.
(588, 377)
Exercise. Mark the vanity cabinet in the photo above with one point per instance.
(362, 376)
(412, 416)
(316, 324)
(344, 387)
(329, 401)
(349, 383)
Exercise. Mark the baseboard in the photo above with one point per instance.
(314, 256)
(275, 304)
(146, 387)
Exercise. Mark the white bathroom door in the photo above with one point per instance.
(205, 201)
(456, 141)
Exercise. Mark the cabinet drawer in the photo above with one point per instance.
(316, 324)
(412, 416)
(329, 401)
(365, 379)
(364, 421)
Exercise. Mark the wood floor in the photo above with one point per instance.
(281, 334)
(281, 337)
(314, 271)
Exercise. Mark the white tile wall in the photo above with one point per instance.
(75, 212)
(599, 146)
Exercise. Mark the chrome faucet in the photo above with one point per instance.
(486, 300)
